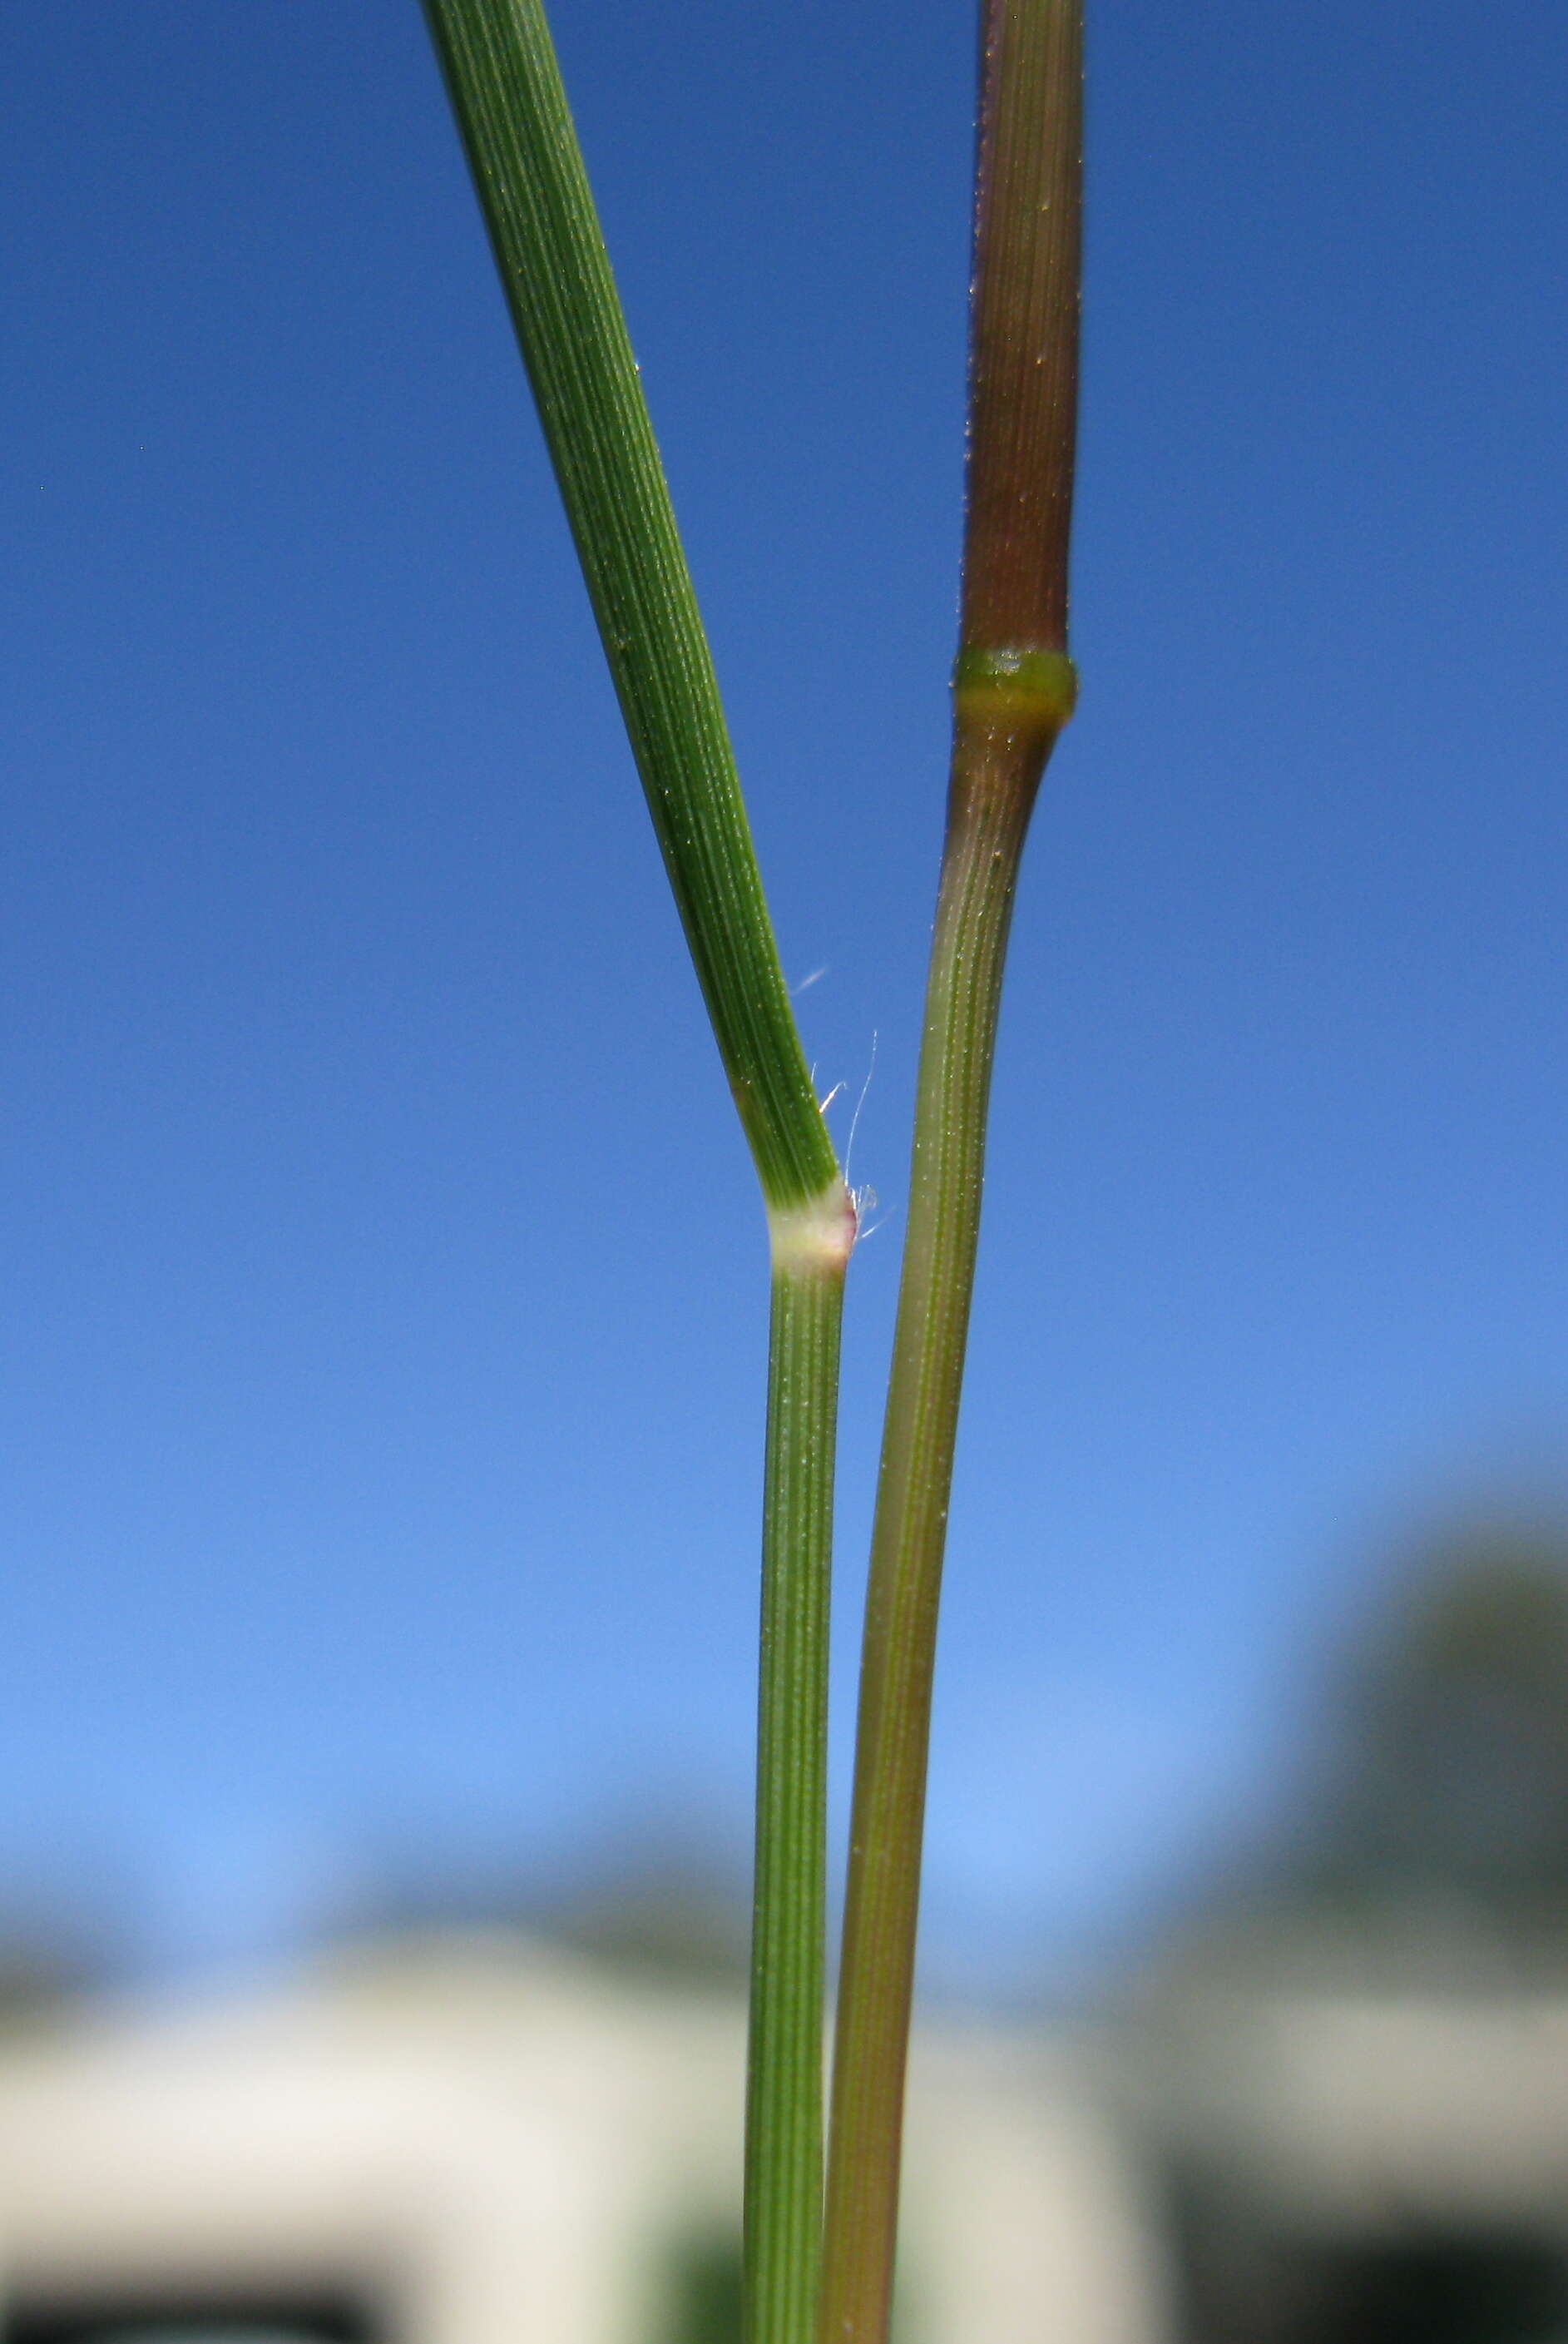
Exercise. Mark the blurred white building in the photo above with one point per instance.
(484, 2145)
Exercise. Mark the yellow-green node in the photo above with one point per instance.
(1024, 691)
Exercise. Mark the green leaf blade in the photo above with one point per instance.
(500, 69)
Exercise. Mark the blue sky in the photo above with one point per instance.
(382, 1383)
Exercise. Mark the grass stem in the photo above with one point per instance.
(506, 90)
(1013, 690)
(783, 2215)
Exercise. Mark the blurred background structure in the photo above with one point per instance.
(1326, 2103)
(476, 2142)
(1350, 2068)
(382, 1356)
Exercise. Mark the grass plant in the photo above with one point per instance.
(1013, 690)
(502, 72)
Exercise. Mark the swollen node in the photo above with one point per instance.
(819, 1236)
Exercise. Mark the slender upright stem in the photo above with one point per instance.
(1013, 690)
(784, 2122)
(974, 910)
(502, 75)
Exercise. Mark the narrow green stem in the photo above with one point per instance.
(784, 2081)
(974, 909)
(506, 90)
(1013, 690)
